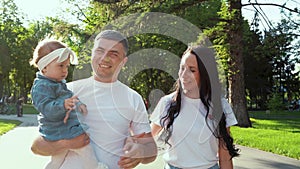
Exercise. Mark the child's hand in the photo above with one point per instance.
(70, 104)
(83, 109)
(67, 116)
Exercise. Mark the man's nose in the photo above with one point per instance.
(105, 57)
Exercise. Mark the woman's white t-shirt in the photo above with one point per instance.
(193, 144)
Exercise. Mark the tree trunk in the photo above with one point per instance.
(1, 85)
(236, 66)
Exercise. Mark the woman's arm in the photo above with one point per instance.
(155, 129)
(225, 160)
(43, 147)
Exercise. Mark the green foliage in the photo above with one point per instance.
(11, 30)
(279, 48)
(275, 103)
(272, 52)
(257, 78)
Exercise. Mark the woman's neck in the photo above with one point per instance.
(193, 94)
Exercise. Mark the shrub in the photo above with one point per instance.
(275, 103)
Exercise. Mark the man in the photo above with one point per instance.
(118, 123)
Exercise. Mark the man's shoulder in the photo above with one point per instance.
(128, 89)
(77, 84)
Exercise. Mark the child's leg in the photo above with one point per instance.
(57, 161)
(88, 158)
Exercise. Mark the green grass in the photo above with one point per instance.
(276, 132)
(6, 125)
(29, 109)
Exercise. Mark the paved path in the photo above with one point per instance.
(15, 151)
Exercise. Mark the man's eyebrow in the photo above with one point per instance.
(114, 51)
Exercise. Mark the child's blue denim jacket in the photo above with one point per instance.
(48, 98)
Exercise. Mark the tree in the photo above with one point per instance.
(101, 13)
(279, 44)
(258, 79)
(10, 29)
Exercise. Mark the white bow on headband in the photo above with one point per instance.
(62, 54)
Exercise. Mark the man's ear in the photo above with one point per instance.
(124, 61)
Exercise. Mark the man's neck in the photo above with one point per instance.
(103, 80)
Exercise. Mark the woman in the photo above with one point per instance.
(184, 121)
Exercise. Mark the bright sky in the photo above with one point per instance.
(39, 9)
(272, 12)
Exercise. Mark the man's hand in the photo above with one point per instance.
(133, 153)
(48, 148)
(82, 108)
(138, 149)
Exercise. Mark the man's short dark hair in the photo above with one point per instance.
(114, 35)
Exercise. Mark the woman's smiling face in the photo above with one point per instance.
(189, 75)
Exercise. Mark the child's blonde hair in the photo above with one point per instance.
(45, 47)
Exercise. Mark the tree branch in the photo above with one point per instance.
(272, 4)
(82, 13)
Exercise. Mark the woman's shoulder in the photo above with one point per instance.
(226, 106)
(168, 97)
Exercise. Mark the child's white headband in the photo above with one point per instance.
(62, 54)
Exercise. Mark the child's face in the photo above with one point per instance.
(57, 71)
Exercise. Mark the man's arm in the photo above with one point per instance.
(138, 149)
(40, 146)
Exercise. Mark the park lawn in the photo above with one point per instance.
(29, 109)
(6, 125)
(277, 132)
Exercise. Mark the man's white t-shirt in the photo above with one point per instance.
(193, 144)
(114, 111)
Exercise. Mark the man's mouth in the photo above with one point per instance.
(104, 66)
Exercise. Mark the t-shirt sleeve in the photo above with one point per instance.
(159, 111)
(230, 117)
(140, 123)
